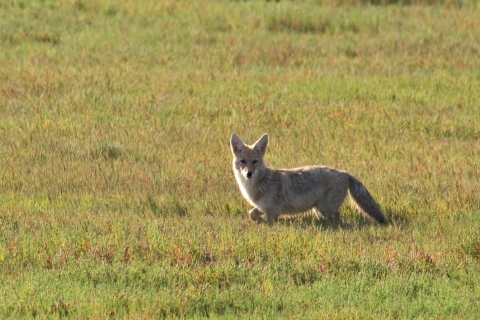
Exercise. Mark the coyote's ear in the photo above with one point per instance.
(236, 144)
(261, 145)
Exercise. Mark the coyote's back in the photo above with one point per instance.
(277, 192)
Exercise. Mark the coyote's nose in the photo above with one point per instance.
(249, 174)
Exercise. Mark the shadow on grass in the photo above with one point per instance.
(398, 218)
(348, 221)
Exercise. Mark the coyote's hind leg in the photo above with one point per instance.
(330, 207)
(333, 216)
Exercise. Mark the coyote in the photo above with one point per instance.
(277, 192)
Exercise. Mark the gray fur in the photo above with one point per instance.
(277, 192)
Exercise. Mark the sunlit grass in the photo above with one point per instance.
(116, 191)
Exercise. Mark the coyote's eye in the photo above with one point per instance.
(242, 161)
(254, 161)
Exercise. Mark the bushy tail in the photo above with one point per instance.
(361, 198)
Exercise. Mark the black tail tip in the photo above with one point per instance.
(382, 221)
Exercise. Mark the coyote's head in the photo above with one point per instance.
(248, 160)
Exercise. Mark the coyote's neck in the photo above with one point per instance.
(253, 188)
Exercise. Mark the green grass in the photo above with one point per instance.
(116, 192)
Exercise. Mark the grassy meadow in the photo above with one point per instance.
(117, 197)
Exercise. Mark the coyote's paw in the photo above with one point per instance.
(256, 215)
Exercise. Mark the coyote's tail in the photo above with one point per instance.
(361, 198)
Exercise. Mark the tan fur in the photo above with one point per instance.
(277, 192)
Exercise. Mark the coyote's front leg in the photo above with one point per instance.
(260, 217)
(256, 215)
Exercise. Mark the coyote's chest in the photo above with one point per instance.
(250, 189)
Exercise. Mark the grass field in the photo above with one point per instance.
(116, 192)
